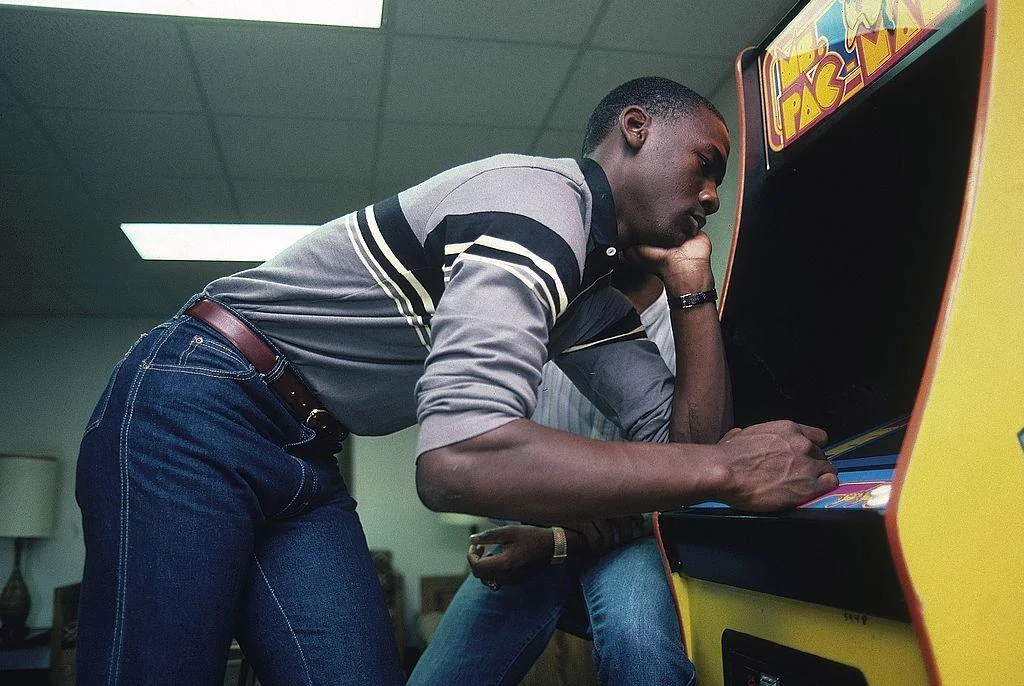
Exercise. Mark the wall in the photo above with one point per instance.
(720, 224)
(53, 371)
(394, 518)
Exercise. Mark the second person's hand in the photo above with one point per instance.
(524, 549)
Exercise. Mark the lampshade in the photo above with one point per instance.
(28, 495)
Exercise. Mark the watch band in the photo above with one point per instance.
(561, 547)
(685, 302)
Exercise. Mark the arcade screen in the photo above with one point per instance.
(845, 243)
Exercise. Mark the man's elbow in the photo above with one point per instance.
(441, 480)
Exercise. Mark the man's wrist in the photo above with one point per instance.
(714, 478)
(687, 281)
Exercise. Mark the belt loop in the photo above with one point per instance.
(275, 372)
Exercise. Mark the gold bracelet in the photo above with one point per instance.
(561, 547)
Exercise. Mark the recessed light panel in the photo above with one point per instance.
(212, 242)
(358, 13)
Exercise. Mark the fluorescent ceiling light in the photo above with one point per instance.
(212, 242)
(361, 13)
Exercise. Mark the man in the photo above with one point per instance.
(627, 607)
(210, 499)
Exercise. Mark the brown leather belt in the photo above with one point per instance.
(292, 390)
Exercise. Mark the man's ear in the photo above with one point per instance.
(635, 125)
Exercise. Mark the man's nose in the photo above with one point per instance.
(708, 199)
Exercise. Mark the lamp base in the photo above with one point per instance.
(14, 604)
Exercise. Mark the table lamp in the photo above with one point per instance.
(28, 493)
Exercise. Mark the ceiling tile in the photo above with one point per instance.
(24, 147)
(289, 71)
(84, 59)
(560, 143)
(688, 27)
(152, 199)
(448, 81)
(300, 202)
(133, 143)
(540, 21)
(280, 148)
(600, 71)
(411, 153)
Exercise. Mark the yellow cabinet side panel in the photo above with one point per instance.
(958, 518)
(885, 651)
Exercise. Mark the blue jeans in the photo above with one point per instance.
(210, 511)
(494, 637)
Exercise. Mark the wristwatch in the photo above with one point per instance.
(685, 302)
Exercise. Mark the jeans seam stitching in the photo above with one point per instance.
(171, 328)
(122, 562)
(220, 347)
(298, 491)
(216, 347)
(206, 371)
(595, 652)
(284, 615)
(552, 616)
(183, 358)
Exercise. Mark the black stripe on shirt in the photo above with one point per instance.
(403, 242)
(391, 231)
(523, 231)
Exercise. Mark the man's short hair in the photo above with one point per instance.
(661, 97)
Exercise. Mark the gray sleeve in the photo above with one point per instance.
(622, 372)
(509, 276)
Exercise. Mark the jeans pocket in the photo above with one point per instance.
(193, 349)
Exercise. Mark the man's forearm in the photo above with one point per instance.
(528, 472)
(702, 402)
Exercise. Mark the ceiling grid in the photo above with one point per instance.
(109, 118)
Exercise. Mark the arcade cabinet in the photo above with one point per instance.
(875, 289)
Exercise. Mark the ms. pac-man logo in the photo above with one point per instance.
(831, 51)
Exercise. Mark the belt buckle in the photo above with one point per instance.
(313, 415)
(321, 421)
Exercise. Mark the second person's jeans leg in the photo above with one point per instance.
(633, 618)
(494, 637)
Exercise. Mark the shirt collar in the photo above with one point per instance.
(604, 231)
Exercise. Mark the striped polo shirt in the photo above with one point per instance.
(441, 304)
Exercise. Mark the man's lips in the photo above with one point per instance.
(698, 220)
